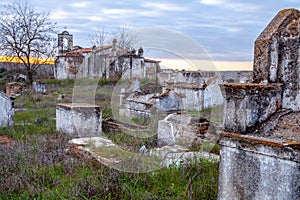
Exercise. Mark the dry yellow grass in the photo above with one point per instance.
(48, 61)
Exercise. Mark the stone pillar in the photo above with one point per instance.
(79, 120)
(122, 95)
(201, 100)
(6, 111)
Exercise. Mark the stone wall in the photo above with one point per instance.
(137, 105)
(146, 105)
(44, 71)
(236, 76)
(169, 75)
(6, 111)
(192, 95)
(79, 120)
(67, 67)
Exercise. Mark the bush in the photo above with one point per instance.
(2, 70)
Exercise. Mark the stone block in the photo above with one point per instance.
(39, 87)
(79, 120)
(248, 105)
(257, 168)
(186, 130)
(171, 101)
(176, 129)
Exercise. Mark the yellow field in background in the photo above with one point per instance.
(48, 61)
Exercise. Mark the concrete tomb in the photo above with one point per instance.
(79, 120)
(136, 103)
(197, 94)
(260, 156)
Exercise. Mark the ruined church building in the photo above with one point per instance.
(101, 62)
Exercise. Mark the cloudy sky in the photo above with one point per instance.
(226, 29)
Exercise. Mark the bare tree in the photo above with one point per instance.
(27, 34)
(126, 38)
(99, 37)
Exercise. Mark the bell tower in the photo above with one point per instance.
(65, 42)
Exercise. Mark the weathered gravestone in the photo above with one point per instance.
(260, 156)
(6, 111)
(39, 87)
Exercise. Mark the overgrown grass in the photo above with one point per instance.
(43, 170)
(30, 123)
(214, 114)
(130, 142)
(64, 83)
(38, 166)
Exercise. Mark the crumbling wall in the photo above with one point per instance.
(169, 102)
(6, 111)
(67, 67)
(135, 68)
(144, 105)
(169, 75)
(192, 93)
(197, 95)
(192, 96)
(236, 76)
(135, 105)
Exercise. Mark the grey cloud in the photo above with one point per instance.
(225, 28)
